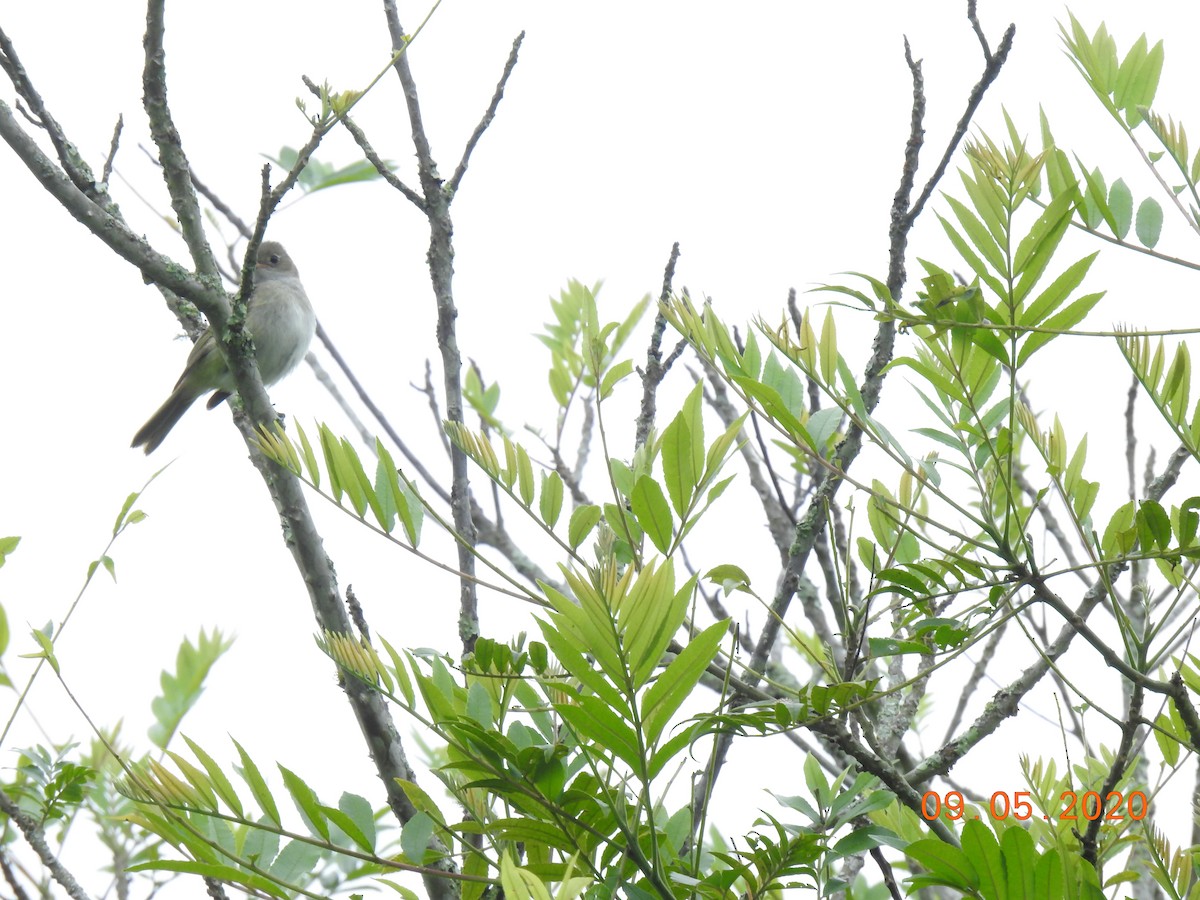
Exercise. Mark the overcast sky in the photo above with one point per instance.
(765, 138)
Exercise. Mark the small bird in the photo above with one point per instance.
(278, 317)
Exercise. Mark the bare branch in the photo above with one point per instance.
(973, 680)
(973, 18)
(103, 224)
(10, 876)
(36, 838)
(778, 523)
(1116, 770)
(487, 116)
(431, 398)
(1131, 437)
(73, 164)
(994, 63)
(171, 156)
(381, 166)
(380, 417)
(655, 370)
(441, 271)
(223, 208)
(112, 150)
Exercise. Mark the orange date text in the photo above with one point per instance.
(1072, 806)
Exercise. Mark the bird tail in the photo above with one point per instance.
(155, 431)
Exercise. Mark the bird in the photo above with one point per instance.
(279, 317)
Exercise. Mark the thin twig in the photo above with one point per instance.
(1131, 437)
(431, 398)
(995, 62)
(36, 838)
(380, 164)
(973, 18)
(223, 208)
(488, 116)
(10, 876)
(655, 370)
(381, 417)
(175, 169)
(1116, 770)
(69, 158)
(112, 150)
(343, 403)
(441, 271)
(778, 524)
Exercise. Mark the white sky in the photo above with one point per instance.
(766, 138)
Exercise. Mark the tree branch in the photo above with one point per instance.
(488, 116)
(441, 270)
(36, 838)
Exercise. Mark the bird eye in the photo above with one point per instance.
(274, 259)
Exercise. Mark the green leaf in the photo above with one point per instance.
(1137, 80)
(591, 719)
(359, 811)
(1053, 297)
(210, 870)
(402, 497)
(182, 689)
(121, 516)
(350, 827)
(692, 411)
(1149, 222)
(5, 636)
(614, 375)
(752, 358)
(1037, 247)
(385, 497)
(1095, 200)
(7, 546)
(678, 473)
(258, 786)
(815, 780)
(1020, 860)
(649, 616)
(982, 849)
(204, 797)
(823, 425)
(310, 457)
(550, 504)
(828, 348)
(1121, 533)
(295, 862)
(1157, 524)
(715, 457)
(583, 520)
(220, 783)
(652, 512)
(565, 645)
(979, 235)
(988, 200)
(945, 864)
(675, 683)
(415, 836)
(772, 404)
(524, 476)
(1063, 321)
(306, 802)
(881, 646)
(1120, 201)
(729, 577)
(1168, 743)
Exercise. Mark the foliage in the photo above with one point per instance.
(584, 763)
